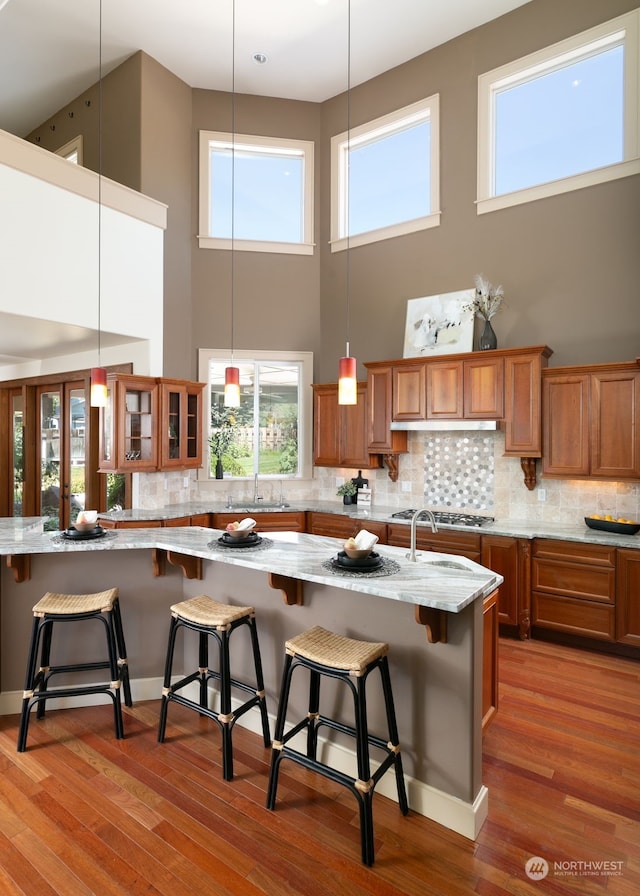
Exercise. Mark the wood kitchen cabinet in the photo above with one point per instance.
(466, 389)
(591, 421)
(180, 424)
(490, 657)
(150, 424)
(129, 425)
(573, 588)
(511, 558)
(336, 525)
(628, 596)
(449, 541)
(340, 431)
(282, 521)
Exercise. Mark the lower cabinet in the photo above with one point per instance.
(285, 521)
(335, 525)
(490, 652)
(573, 588)
(465, 544)
(511, 558)
(198, 519)
(628, 597)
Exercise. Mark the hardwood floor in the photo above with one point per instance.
(81, 813)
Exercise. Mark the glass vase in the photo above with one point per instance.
(488, 338)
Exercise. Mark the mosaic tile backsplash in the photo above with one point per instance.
(459, 470)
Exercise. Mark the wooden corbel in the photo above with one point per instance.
(292, 591)
(528, 465)
(21, 566)
(435, 623)
(191, 566)
(391, 462)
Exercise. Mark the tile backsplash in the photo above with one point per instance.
(443, 470)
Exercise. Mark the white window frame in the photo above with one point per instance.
(73, 147)
(249, 143)
(305, 420)
(623, 30)
(424, 110)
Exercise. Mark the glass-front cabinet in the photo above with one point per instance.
(150, 424)
(129, 425)
(180, 430)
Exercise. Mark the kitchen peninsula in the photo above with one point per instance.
(430, 613)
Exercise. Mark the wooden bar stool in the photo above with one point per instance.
(324, 653)
(209, 618)
(54, 609)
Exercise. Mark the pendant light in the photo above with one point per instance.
(98, 397)
(347, 377)
(232, 373)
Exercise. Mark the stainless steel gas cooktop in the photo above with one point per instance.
(446, 517)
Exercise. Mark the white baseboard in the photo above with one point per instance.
(443, 808)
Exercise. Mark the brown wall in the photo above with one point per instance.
(569, 264)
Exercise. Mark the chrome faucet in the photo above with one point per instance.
(414, 521)
(256, 496)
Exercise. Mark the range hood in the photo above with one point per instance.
(442, 425)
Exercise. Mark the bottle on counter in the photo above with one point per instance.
(359, 482)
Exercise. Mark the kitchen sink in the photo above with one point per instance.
(258, 505)
(450, 564)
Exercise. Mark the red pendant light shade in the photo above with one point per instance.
(232, 387)
(98, 387)
(347, 381)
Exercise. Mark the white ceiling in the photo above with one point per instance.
(50, 52)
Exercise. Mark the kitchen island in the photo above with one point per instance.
(430, 613)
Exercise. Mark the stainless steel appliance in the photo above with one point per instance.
(446, 517)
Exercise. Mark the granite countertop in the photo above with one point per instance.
(451, 586)
(514, 528)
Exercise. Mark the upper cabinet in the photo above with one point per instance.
(501, 385)
(150, 424)
(180, 430)
(591, 421)
(340, 431)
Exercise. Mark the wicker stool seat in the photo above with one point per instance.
(322, 652)
(55, 609)
(211, 619)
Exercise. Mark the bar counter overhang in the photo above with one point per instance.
(431, 616)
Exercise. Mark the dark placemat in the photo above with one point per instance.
(262, 545)
(388, 568)
(96, 539)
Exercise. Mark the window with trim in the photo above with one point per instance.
(385, 178)
(270, 434)
(562, 118)
(72, 151)
(270, 182)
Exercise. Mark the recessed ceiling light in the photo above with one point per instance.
(259, 58)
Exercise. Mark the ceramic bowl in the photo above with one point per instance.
(246, 528)
(87, 522)
(355, 554)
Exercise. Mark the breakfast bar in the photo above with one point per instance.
(429, 611)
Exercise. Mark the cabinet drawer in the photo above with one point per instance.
(287, 521)
(573, 580)
(466, 544)
(578, 617)
(335, 525)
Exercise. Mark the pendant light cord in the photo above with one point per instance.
(348, 172)
(233, 163)
(100, 187)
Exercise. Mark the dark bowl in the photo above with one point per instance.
(612, 526)
(372, 561)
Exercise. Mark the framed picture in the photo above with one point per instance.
(437, 325)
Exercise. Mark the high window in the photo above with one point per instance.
(268, 180)
(385, 176)
(72, 151)
(562, 118)
(270, 433)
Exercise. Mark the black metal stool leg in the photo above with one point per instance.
(276, 749)
(393, 734)
(257, 660)
(166, 685)
(29, 684)
(225, 716)
(203, 663)
(45, 660)
(123, 661)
